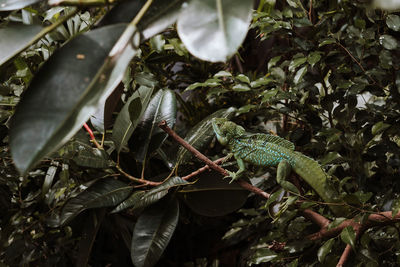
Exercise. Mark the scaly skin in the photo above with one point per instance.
(269, 150)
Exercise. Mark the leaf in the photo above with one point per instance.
(159, 16)
(201, 134)
(243, 78)
(148, 136)
(105, 192)
(395, 206)
(240, 87)
(325, 249)
(6, 5)
(348, 236)
(153, 231)
(388, 41)
(379, 127)
(159, 192)
(131, 201)
(213, 30)
(124, 125)
(327, 42)
(213, 196)
(263, 255)
(15, 38)
(296, 63)
(67, 90)
(300, 74)
(393, 22)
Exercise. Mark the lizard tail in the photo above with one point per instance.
(314, 175)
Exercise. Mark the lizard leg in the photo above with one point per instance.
(282, 173)
(236, 175)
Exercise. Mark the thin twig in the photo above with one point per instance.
(203, 169)
(87, 128)
(344, 256)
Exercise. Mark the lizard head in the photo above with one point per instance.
(226, 130)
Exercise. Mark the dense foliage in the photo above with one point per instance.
(322, 74)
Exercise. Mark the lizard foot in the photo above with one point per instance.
(231, 175)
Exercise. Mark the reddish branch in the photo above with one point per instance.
(87, 128)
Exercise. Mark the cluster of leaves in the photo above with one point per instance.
(325, 76)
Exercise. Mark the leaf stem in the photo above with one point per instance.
(87, 128)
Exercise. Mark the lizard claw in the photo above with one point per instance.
(231, 175)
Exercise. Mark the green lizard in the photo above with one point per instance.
(269, 150)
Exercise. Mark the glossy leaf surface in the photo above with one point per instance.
(153, 232)
(148, 136)
(214, 29)
(15, 4)
(106, 192)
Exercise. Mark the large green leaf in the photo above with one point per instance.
(213, 196)
(67, 90)
(14, 37)
(202, 133)
(106, 192)
(148, 136)
(153, 231)
(159, 16)
(214, 29)
(124, 125)
(15, 4)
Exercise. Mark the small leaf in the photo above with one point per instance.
(243, 78)
(296, 63)
(213, 30)
(393, 22)
(105, 192)
(241, 87)
(327, 42)
(395, 207)
(314, 57)
(325, 249)
(272, 62)
(379, 127)
(153, 231)
(348, 236)
(300, 74)
(388, 41)
(263, 255)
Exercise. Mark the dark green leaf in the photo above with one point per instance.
(388, 41)
(395, 206)
(348, 236)
(105, 192)
(131, 201)
(393, 22)
(263, 255)
(153, 231)
(213, 30)
(325, 249)
(148, 136)
(67, 90)
(124, 125)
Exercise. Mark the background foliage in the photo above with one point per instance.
(323, 74)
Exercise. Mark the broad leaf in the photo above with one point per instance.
(6, 5)
(124, 126)
(202, 133)
(159, 16)
(15, 37)
(153, 231)
(213, 30)
(212, 196)
(148, 136)
(106, 192)
(67, 90)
